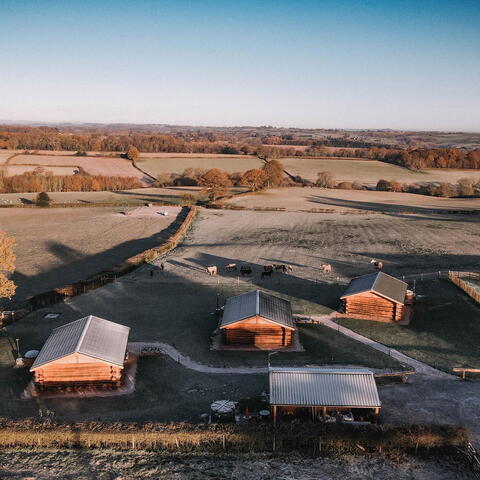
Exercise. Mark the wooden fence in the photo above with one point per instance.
(103, 278)
(456, 278)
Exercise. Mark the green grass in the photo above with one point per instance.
(444, 333)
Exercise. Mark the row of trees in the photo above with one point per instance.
(38, 182)
(215, 182)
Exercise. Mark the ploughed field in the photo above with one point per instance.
(58, 246)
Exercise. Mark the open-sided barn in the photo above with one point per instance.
(376, 296)
(257, 320)
(88, 351)
(318, 392)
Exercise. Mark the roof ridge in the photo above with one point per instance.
(377, 276)
(84, 331)
(257, 301)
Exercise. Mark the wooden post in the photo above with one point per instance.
(274, 414)
(324, 413)
(377, 411)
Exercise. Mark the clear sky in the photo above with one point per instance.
(408, 64)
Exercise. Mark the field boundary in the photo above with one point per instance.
(186, 217)
(312, 438)
(455, 278)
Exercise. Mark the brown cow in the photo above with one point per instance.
(326, 267)
(231, 267)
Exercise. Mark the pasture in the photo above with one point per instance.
(297, 199)
(344, 169)
(140, 196)
(58, 246)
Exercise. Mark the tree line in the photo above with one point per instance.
(47, 182)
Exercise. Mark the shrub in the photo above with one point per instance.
(43, 200)
(325, 180)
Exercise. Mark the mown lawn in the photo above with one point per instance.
(445, 331)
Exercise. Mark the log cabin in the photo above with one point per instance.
(88, 351)
(257, 320)
(376, 296)
(318, 393)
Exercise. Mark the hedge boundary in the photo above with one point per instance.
(107, 276)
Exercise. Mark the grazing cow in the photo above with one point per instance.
(377, 264)
(212, 270)
(327, 268)
(288, 268)
(279, 267)
(268, 268)
(231, 267)
(266, 273)
(246, 270)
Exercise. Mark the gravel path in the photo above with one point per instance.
(174, 354)
(420, 367)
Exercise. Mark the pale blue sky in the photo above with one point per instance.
(346, 64)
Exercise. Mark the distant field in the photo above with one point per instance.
(363, 170)
(229, 163)
(20, 169)
(93, 165)
(307, 198)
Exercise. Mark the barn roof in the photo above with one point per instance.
(259, 303)
(326, 387)
(91, 336)
(380, 283)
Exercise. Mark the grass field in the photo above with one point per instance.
(169, 195)
(58, 246)
(296, 198)
(444, 332)
(365, 171)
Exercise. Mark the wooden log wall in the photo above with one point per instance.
(259, 333)
(373, 306)
(59, 374)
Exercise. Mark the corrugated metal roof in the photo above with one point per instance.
(380, 283)
(323, 387)
(91, 336)
(260, 303)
